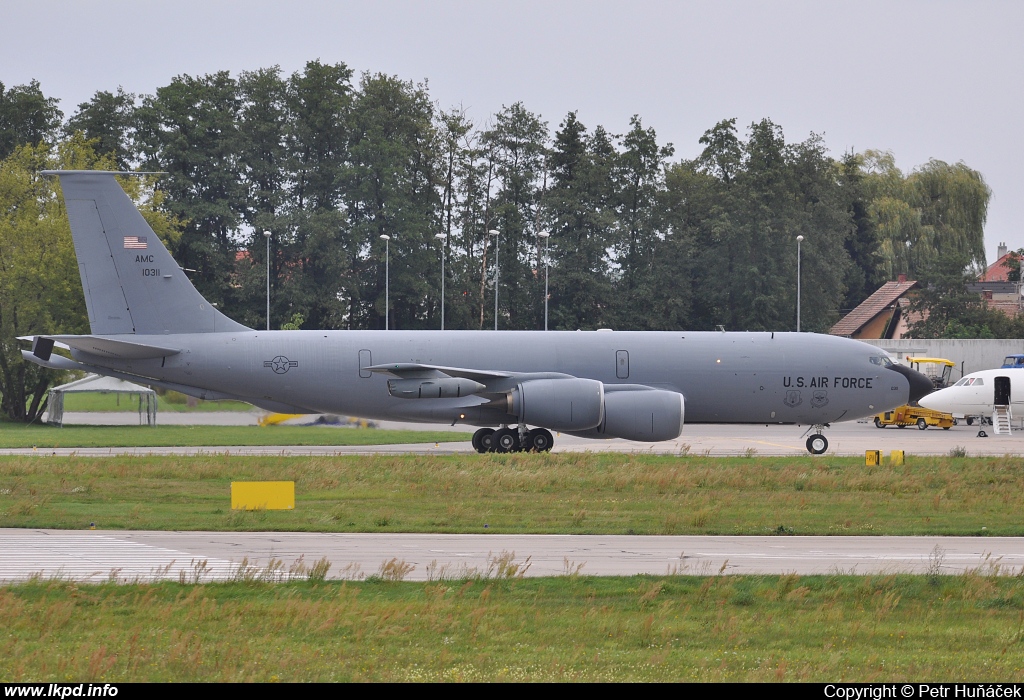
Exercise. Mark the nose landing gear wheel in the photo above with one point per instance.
(506, 440)
(982, 433)
(539, 440)
(817, 444)
(483, 440)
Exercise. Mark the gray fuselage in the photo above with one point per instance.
(724, 377)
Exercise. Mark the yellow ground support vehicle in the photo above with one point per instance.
(939, 370)
(276, 418)
(914, 415)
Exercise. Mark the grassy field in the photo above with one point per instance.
(968, 627)
(171, 401)
(42, 436)
(525, 493)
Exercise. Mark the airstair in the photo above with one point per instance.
(1001, 417)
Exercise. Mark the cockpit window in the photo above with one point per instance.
(979, 381)
(961, 382)
(882, 361)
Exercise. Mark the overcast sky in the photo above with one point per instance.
(921, 78)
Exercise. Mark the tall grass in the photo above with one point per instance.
(550, 493)
(964, 627)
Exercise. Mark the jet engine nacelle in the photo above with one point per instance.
(566, 405)
(439, 388)
(646, 415)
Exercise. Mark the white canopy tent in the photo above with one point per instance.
(105, 385)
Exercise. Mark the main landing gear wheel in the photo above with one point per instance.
(817, 444)
(506, 440)
(483, 440)
(539, 440)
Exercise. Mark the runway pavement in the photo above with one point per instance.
(125, 556)
(845, 439)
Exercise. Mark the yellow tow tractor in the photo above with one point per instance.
(939, 371)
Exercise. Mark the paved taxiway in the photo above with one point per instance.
(145, 556)
(845, 439)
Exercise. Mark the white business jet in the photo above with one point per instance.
(991, 393)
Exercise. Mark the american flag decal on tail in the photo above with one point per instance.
(135, 242)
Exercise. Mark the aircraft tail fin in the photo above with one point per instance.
(131, 282)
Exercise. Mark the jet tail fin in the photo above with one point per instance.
(131, 282)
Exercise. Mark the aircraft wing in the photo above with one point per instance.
(101, 346)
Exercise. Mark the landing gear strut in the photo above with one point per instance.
(817, 443)
(512, 440)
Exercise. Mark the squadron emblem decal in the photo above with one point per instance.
(793, 399)
(281, 364)
(819, 398)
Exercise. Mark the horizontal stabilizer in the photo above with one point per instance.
(100, 346)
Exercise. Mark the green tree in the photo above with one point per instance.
(944, 307)
(312, 264)
(865, 273)
(516, 147)
(638, 175)
(462, 222)
(26, 117)
(263, 161)
(688, 296)
(40, 289)
(40, 286)
(579, 207)
(109, 119)
(938, 210)
(189, 129)
(745, 221)
(393, 189)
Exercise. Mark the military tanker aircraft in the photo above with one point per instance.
(149, 324)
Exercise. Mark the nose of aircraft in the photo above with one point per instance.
(920, 384)
(934, 401)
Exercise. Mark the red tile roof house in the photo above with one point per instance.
(884, 314)
(994, 287)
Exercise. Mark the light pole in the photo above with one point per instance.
(266, 234)
(494, 233)
(545, 235)
(387, 278)
(441, 237)
(799, 240)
